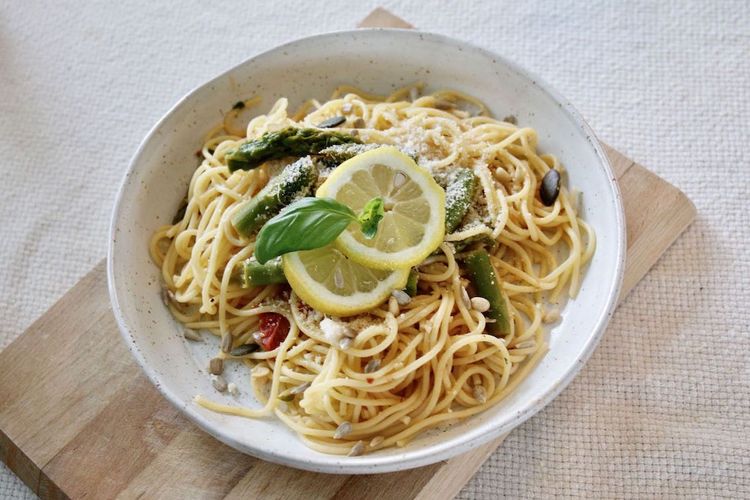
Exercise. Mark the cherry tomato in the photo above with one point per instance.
(273, 329)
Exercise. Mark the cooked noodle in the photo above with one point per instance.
(434, 363)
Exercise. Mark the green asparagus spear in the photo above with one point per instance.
(256, 274)
(459, 192)
(483, 239)
(334, 156)
(486, 284)
(411, 283)
(295, 181)
(287, 142)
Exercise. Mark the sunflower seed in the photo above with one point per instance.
(343, 430)
(244, 350)
(345, 343)
(480, 304)
(401, 297)
(552, 315)
(260, 371)
(216, 366)
(357, 449)
(480, 393)
(219, 383)
(226, 343)
(191, 334)
(372, 365)
(300, 388)
(393, 306)
(334, 121)
(376, 441)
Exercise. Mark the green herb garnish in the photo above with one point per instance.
(370, 217)
(313, 223)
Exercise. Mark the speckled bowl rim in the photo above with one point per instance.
(428, 454)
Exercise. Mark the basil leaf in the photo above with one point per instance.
(305, 224)
(370, 217)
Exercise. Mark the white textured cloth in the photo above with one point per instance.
(662, 408)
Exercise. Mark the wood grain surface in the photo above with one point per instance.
(78, 419)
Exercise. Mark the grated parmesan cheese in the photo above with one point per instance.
(334, 331)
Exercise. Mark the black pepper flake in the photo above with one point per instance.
(238, 105)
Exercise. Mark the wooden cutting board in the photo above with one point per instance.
(79, 419)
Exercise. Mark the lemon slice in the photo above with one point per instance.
(414, 222)
(334, 284)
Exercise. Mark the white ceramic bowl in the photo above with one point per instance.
(378, 60)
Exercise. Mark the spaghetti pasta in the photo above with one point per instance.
(406, 367)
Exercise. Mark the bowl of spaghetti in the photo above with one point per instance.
(366, 251)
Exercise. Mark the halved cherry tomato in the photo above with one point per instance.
(273, 330)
